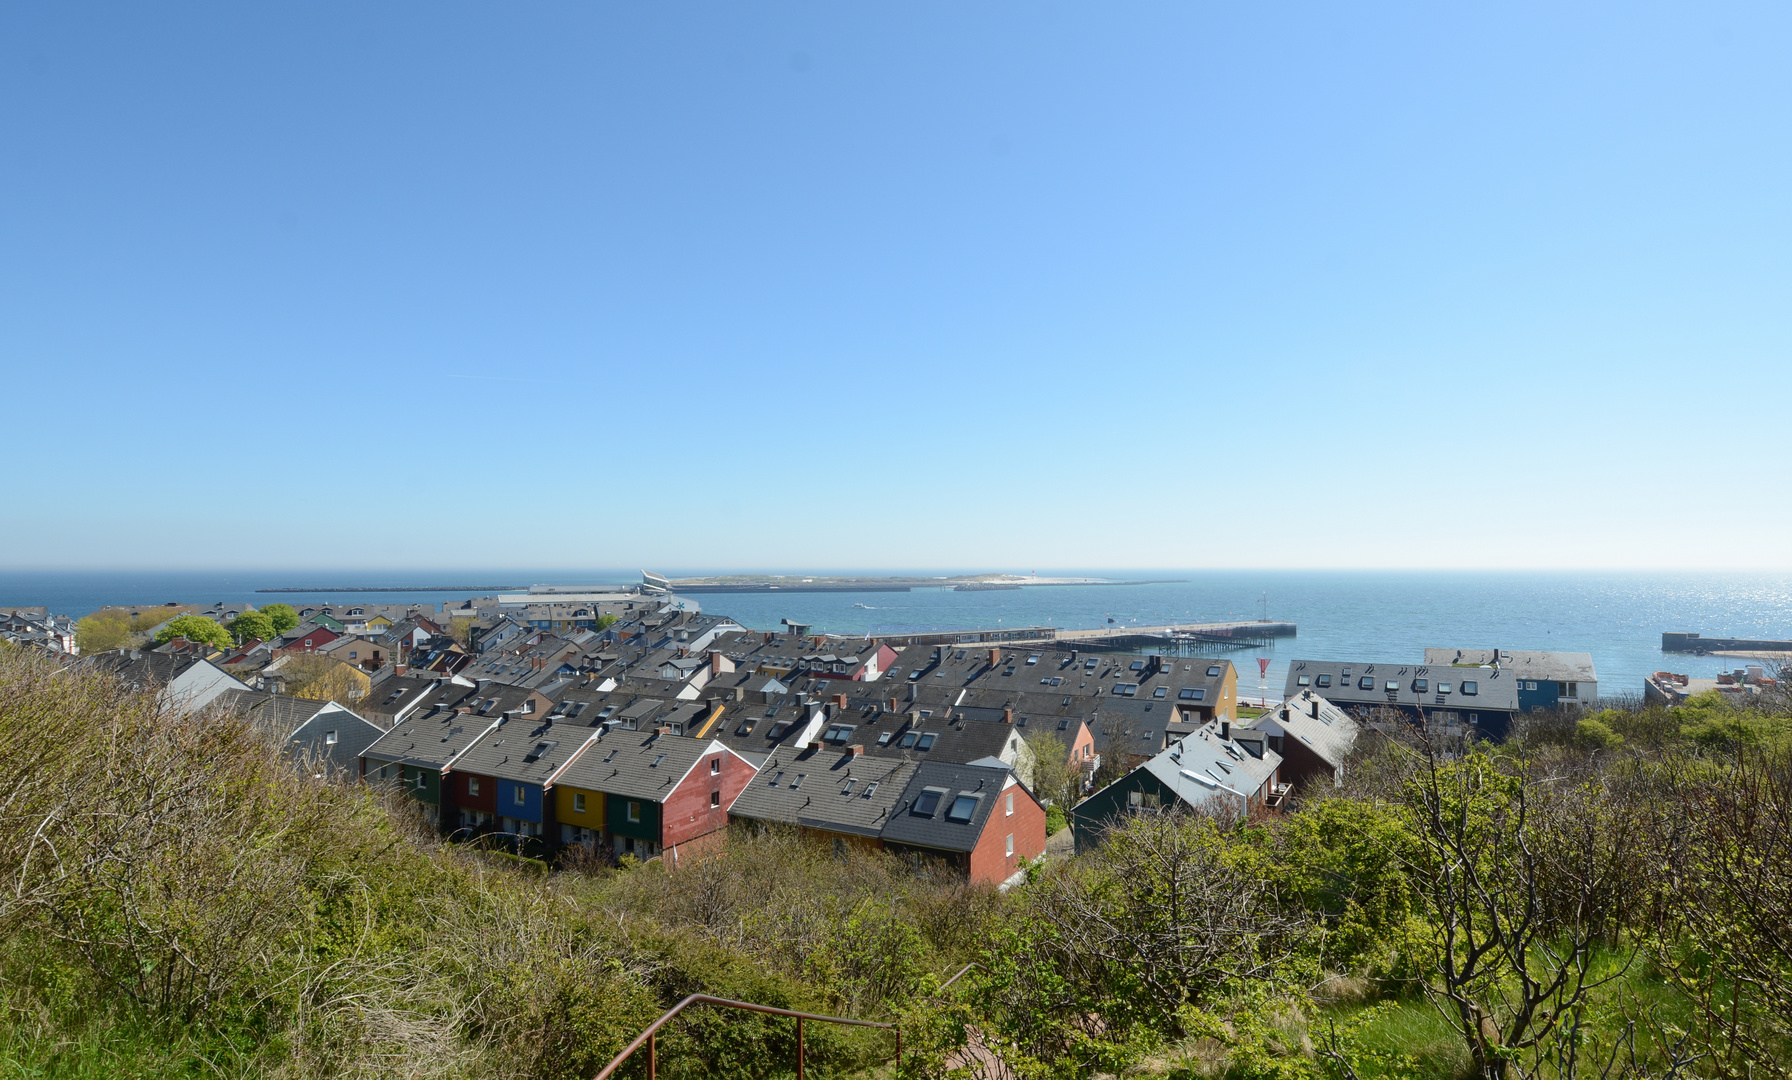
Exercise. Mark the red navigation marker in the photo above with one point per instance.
(1263, 667)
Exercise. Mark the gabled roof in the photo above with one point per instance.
(1520, 663)
(1495, 691)
(524, 749)
(939, 830)
(1202, 765)
(1321, 726)
(836, 792)
(432, 740)
(636, 764)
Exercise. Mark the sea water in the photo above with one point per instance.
(1382, 617)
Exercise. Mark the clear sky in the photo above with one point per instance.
(992, 284)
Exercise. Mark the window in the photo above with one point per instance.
(1010, 843)
(869, 788)
(778, 779)
(330, 737)
(472, 785)
(1574, 690)
(578, 804)
(1324, 681)
(516, 794)
(1304, 680)
(884, 739)
(1010, 804)
(1469, 687)
(715, 799)
(1365, 683)
(926, 742)
(656, 761)
(1160, 691)
(1125, 689)
(634, 812)
(927, 802)
(847, 790)
(528, 706)
(837, 734)
(715, 766)
(964, 808)
(798, 782)
(1213, 671)
(1393, 686)
(777, 731)
(908, 740)
(1137, 665)
(1528, 685)
(1419, 686)
(1443, 687)
(1191, 694)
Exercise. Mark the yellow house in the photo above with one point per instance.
(578, 810)
(379, 622)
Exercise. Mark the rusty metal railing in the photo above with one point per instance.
(650, 1037)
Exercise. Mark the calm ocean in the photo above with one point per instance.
(1342, 615)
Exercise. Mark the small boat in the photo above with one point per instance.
(867, 607)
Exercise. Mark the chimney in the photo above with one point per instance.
(1007, 716)
(1225, 729)
(840, 702)
(662, 729)
(740, 693)
(856, 749)
(914, 716)
(1313, 708)
(913, 691)
(766, 638)
(399, 670)
(995, 657)
(892, 707)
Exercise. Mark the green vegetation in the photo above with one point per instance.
(252, 624)
(114, 628)
(1577, 903)
(282, 616)
(195, 628)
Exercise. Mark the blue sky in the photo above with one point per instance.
(959, 285)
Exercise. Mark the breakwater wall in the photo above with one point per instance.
(1693, 643)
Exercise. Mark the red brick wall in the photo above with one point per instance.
(990, 861)
(686, 813)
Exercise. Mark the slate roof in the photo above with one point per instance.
(1521, 663)
(636, 764)
(520, 748)
(1202, 764)
(936, 830)
(1331, 734)
(838, 792)
(140, 669)
(430, 740)
(1494, 692)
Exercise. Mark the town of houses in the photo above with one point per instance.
(633, 724)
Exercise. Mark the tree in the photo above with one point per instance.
(252, 624)
(1727, 903)
(322, 679)
(283, 617)
(461, 630)
(103, 630)
(1055, 780)
(1521, 881)
(195, 628)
